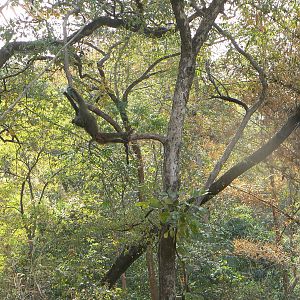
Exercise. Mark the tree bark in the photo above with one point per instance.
(167, 258)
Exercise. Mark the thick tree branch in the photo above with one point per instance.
(182, 25)
(104, 116)
(148, 136)
(118, 23)
(209, 16)
(7, 51)
(247, 163)
(117, 127)
(123, 262)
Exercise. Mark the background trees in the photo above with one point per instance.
(204, 91)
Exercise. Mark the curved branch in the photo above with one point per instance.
(148, 136)
(211, 78)
(254, 64)
(107, 55)
(146, 74)
(28, 64)
(230, 99)
(117, 23)
(249, 112)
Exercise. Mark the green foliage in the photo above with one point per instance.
(69, 206)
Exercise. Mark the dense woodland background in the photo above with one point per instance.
(203, 89)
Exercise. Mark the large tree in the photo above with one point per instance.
(192, 30)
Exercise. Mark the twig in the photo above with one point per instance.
(101, 62)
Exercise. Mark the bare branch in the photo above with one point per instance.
(95, 47)
(211, 78)
(255, 65)
(101, 62)
(249, 112)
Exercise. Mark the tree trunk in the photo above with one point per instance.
(167, 274)
(151, 273)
